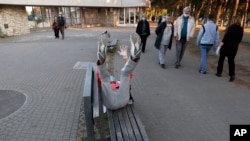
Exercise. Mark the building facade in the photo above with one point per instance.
(78, 13)
(13, 20)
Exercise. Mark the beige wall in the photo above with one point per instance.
(94, 3)
(99, 17)
(15, 17)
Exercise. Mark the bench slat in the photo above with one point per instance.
(128, 125)
(140, 125)
(134, 124)
(117, 126)
(111, 126)
(122, 125)
(113, 43)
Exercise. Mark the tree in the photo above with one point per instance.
(218, 10)
(233, 12)
(245, 13)
(198, 7)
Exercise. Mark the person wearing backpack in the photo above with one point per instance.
(61, 24)
(207, 38)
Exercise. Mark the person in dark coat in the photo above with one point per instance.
(159, 21)
(229, 47)
(55, 28)
(164, 38)
(61, 22)
(144, 31)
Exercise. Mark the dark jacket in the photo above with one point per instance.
(139, 28)
(159, 32)
(231, 40)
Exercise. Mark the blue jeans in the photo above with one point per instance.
(204, 53)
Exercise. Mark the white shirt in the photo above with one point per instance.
(166, 35)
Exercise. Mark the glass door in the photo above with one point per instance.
(128, 16)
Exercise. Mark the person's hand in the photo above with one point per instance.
(123, 51)
(189, 38)
(218, 50)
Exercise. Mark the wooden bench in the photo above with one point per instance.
(112, 43)
(124, 124)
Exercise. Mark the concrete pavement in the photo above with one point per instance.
(182, 104)
(174, 104)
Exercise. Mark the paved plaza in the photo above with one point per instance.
(174, 104)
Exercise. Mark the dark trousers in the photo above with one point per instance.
(56, 31)
(61, 29)
(180, 49)
(143, 42)
(231, 64)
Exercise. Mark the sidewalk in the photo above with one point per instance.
(181, 104)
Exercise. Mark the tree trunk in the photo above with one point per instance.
(233, 13)
(245, 15)
(218, 11)
(198, 11)
(209, 5)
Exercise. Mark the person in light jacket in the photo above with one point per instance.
(229, 47)
(164, 32)
(207, 38)
(183, 32)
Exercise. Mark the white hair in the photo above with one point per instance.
(184, 9)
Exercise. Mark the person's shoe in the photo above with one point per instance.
(203, 72)
(130, 102)
(177, 66)
(135, 41)
(232, 78)
(163, 66)
(102, 46)
(218, 75)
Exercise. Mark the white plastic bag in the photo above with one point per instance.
(218, 50)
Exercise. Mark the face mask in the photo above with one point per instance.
(185, 15)
(169, 24)
(143, 19)
(163, 20)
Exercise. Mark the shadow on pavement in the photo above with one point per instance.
(10, 101)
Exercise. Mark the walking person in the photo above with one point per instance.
(229, 47)
(144, 31)
(55, 28)
(164, 38)
(207, 38)
(183, 32)
(119, 96)
(61, 24)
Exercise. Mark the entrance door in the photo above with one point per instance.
(128, 16)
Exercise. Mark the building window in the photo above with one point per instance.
(128, 16)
